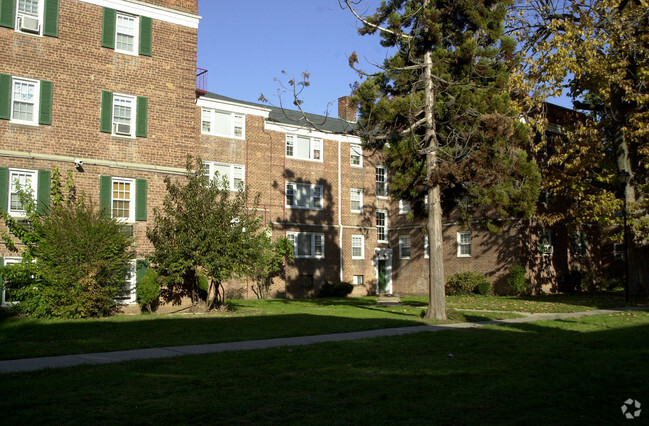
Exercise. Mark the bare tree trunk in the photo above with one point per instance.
(436, 284)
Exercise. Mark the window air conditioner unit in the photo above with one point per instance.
(29, 24)
(618, 251)
(122, 129)
(548, 249)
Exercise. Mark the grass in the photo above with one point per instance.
(260, 319)
(576, 371)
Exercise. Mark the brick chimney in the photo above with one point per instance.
(346, 109)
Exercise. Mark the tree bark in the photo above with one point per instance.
(436, 283)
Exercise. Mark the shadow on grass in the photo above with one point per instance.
(569, 372)
(26, 338)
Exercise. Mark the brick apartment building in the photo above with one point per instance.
(107, 88)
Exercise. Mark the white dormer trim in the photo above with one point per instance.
(237, 108)
(150, 10)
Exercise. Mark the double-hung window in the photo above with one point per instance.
(34, 17)
(303, 147)
(7, 298)
(15, 181)
(356, 155)
(307, 244)
(126, 33)
(404, 246)
(356, 196)
(381, 182)
(25, 101)
(232, 173)
(20, 180)
(303, 196)
(124, 115)
(382, 226)
(358, 247)
(123, 198)
(464, 244)
(222, 123)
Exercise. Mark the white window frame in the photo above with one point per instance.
(131, 206)
(39, 15)
(315, 196)
(404, 207)
(317, 240)
(316, 148)
(358, 241)
(130, 280)
(358, 280)
(383, 183)
(404, 241)
(132, 100)
(135, 35)
(237, 121)
(34, 187)
(385, 226)
(235, 170)
(35, 100)
(356, 151)
(356, 194)
(462, 243)
(8, 261)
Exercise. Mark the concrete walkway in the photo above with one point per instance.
(32, 364)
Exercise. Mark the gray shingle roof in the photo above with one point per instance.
(295, 118)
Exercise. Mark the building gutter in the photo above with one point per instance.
(340, 221)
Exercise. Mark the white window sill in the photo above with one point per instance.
(125, 52)
(239, 138)
(122, 136)
(24, 123)
(304, 159)
(303, 208)
(357, 166)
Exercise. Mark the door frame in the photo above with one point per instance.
(386, 255)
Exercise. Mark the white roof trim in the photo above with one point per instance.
(301, 130)
(150, 10)
(232, 107)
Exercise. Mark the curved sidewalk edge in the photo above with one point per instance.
(32, 364)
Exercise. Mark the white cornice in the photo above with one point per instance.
(301, 130)
(232, 107)
(150, 10)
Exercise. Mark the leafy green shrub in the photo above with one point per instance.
(336, 289)
(484, 288)
(517, 281)
(465, 283)
(148, 290)
(74, 258)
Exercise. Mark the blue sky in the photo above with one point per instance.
(245, 45)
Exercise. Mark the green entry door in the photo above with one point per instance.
(383, 280)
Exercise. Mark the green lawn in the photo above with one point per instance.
(576, 371)
(260, 319)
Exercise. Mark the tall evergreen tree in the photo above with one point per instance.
(440, 110)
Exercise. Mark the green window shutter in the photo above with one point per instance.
(146, 35)
(51, 18)
(43, 191)
(141, 117)
(108, 28)
(105, 183)
(106, 111)
(45, 107)
(141, 266)
(141, 199)
(5, 96)
(7, 13)
(4, 189)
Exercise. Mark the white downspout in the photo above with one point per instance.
(340, 220)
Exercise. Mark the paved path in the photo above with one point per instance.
(31, 364)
